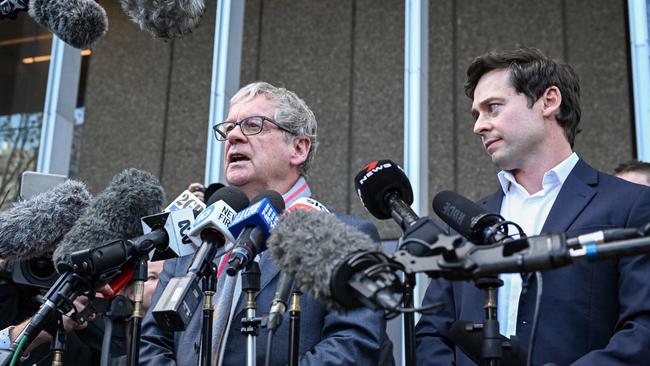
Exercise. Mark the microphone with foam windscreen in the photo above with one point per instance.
(165, 19)
(180, 298)
(469, 219)
(285, 282)
(114, 214)
(79, 23)
(252, 227)
(333, 262)
(34, 227)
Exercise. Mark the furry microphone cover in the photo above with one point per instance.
(165, 19)
(79, 23)
(115, 213)
(33, 227)
(309, 244)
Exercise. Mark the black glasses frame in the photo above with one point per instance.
(221, 136)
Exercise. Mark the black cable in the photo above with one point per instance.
(429, 309)
(538, 302)
(267, 356)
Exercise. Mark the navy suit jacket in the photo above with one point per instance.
(594, 313)
(326, 337)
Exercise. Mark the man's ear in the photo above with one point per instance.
(301, 148)
(551, 99)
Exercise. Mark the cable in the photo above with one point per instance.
(538, 302)
(267, 356)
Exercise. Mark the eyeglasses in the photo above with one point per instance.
(249, 126)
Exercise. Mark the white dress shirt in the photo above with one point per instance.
(529, 212)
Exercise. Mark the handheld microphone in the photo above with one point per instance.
(252, 227)
(34, 227)
(285, 282)
(115, 213)
(469, 219)
(79, 23)
(385, 191)
(176, 221)
(333, 262)
(181, 296)
(166, 19)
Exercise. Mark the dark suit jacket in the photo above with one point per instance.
(326, 337)
(591, 313)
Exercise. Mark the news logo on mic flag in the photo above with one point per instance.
(376, 181)
(261, 214)
(218, 215)
(307, 203)
(186, 199)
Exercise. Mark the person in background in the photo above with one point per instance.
(634, 171)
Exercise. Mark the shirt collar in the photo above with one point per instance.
(557, 175)
(300, 189)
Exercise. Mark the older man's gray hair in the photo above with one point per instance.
(291, 113)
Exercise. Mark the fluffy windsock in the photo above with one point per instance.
(33, 227)
(79, 23)
(115, 213)
(309, 246)
(165, 19)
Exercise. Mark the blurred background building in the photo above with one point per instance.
(384, 78)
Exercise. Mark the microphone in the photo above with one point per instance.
(176, 221)
(180, 298)
(468, 219)
(35, 226)
(333, 262)
(115, 213)
(209, 190)
(285, 282)
(385, 191)
(252, 227)
(79, 23)
(166, 19)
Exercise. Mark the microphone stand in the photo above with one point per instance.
(140, 275)
(294, 328)
(58, 342)
(492, 346)
(251, 285)
(209, 289)
(409, 320)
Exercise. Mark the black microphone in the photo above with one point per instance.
(115, 213)
(165, 19)
(385, 191)
(34, 227)
(180, 298)
(252, 227)
(468, 219)
(328, 260)
(79, 23)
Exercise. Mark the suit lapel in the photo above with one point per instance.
(492, 203)
(576, 192)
